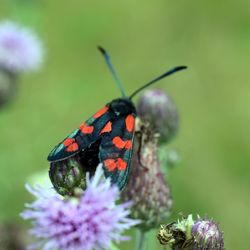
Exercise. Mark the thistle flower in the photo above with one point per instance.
(20, 48)
(147, 187)
(158, 109)
(90, 221)
(202, 234)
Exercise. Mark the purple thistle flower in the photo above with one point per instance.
(91, 221)
(20, 48)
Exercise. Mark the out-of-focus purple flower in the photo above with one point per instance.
(20, 48)
(91, 221)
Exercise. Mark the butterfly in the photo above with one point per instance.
(107, 137)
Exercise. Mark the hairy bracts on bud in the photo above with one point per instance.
(158, 109)
(68, 175)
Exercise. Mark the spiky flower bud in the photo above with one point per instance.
(158, 108)
(207, 234)
(68, 175)
(147, 187)
(187, 234)
(7, 86)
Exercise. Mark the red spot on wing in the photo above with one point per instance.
(72, 148)
(110, 164)
(128, 144)
(121, 164)
(113, 164)
(130, 123)
(86, 129)
(68, 141)
(119, 143)
(107, 128)
(70, 144)
(100, 112)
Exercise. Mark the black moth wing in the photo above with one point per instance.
(116, 149)
(81, 138)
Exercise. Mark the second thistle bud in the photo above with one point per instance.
(187, 234)
(67, 175)
(158, 108)
(206, 233)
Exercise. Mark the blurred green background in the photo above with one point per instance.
(144, 38)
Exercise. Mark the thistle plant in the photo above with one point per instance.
(87, 215)
(20, 51)
(189, 234)
(89, 220)
(147, 186)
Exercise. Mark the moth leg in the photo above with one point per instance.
(139, 136)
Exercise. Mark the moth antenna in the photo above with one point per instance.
(111, 68)
(168, 73)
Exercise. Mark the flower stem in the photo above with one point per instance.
(140, 239)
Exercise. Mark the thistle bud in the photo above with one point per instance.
(147, 187)
(68, 175)
(158, 108)
(7, 86)
(206, 234)
(187, 234)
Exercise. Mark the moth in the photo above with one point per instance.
(107, 136)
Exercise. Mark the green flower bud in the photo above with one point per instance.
(68, 175)
(158, 108)
(187, 234)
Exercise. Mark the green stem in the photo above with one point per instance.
(140, 239)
